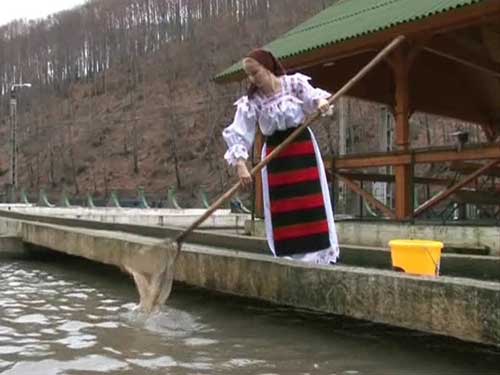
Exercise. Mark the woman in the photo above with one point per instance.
(297, 208)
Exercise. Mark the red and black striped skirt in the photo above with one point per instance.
(297, 206)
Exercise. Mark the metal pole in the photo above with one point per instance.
(13, 132)
(13, 140)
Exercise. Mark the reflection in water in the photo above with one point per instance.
(75, 317)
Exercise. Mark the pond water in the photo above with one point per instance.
(71, 316)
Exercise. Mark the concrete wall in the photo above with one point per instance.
(462, 308)
(379, 234)
(163, 216)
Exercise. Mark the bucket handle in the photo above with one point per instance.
(436, 266)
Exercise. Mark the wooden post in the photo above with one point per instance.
(401, 67)
(400, 63)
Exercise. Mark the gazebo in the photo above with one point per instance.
(449, 65)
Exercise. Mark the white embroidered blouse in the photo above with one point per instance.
(284, 110)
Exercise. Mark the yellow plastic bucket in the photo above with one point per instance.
(419, 257)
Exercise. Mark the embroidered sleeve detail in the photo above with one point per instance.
(240, 134)
(307, 93)
(246, 106)
(234, 153)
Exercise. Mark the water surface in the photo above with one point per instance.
(75, 317)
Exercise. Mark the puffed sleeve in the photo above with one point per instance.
(239, 136)
(307, 93)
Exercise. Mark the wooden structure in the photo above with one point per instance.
(448, 66)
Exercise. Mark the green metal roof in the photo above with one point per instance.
(349, 19)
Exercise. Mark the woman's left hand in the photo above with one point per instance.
(325, 108)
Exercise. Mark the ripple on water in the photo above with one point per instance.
(111, 350)
(154, 363)
(47, 307)
(199, 341)
(27, 341)
(108, 325)
(6, 330)
(200, 366)
(74, 307)
(78, 295)
(109, 301)
(10, 349)
(37, 350)
(243, 362)
(73, 326)
(109, 308)
(15, 311)
(77, 341)
(98, 363)
(49, 331)
(31, 318)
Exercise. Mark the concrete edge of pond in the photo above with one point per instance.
(473, 266)
(463, 308)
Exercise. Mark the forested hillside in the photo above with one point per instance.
(122, 95)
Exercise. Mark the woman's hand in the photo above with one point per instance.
(325, 108)
(243, 174)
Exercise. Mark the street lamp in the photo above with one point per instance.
(13, 132)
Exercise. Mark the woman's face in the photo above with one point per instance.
(256, 73)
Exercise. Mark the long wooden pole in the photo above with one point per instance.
(377, 59)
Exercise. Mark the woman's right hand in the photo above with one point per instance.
(243, 174)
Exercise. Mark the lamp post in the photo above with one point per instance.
(13, 132)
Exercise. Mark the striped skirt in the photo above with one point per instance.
(297, 207)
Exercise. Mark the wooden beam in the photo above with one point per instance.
(481, 153)
(367, 161)
(448, 192)
(367, 196)
(462, 48)
(387, 178)
(375, 177)
(422, 156)
(481, 68)
(462, 167)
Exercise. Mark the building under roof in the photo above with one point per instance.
(449, 65)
